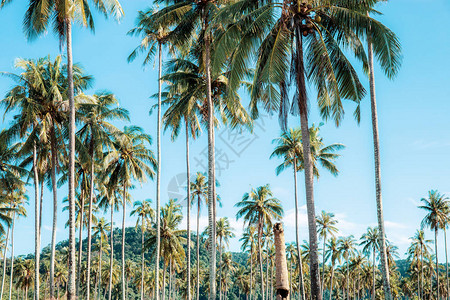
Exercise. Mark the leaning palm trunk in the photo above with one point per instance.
(71, 278)
(309, 180)
(4, 262)
(111, 257)
(89, 241)
(211, 170)
(261, 272)
(158, 177)
(37, 222)
(55, 213)
(12, 257)
(300, 264)
(198, 247)
(188, 260)
(376, 146)
(123, 241)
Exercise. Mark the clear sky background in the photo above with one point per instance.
(413, 121)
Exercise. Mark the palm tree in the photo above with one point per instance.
(129, 160)
(145, 214)
(293, 44)
(437, 208)
(199, 192)
(248, 241)
(334, 253)
(326, 226)
(39, 97)
(154, 36)
(371, 244)
(347, 247)
(259, 208)
(100, 231)
(62, 14)
(224, 232)
(419, 247)
(95, 135)
(24, 274)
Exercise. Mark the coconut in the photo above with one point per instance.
(317, 18)
(305, 33)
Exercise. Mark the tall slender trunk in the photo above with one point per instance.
(251, 270)
(267, 275)
(37, 222)
(80, 245)
(290, 276)
(124, 204)
(4, 262)
(271, 280)
(111, 249)
(198, 246)
(376, 146)
(331, 280)
(421, 272)
(297, 240)
(12, 257)
(211, 168)
(71, 278)
(188, 179)
(55, 213)
(446, 261)
(220, 269)
(261, 272)
(170, 280)
(99, 286)
(323, 262)
(373, 275)
(91, 199)
(164, 281)
(158, 177)
(437, 263)
(142, 260)
(347, 280)
(309, 179)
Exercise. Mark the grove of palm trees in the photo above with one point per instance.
(210, 149)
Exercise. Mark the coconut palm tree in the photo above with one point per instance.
(419, 248)
(326, 226)
(370, 242)
(24, 275)
(347, 247)
(297, 40)
(199, 194)
(334, 254)
(129, 160)
(437, 209)
(145, 214)
(259, 208)
(95, 135)
(248, 242)
(100, 231)
(224, 232)
(62, 14)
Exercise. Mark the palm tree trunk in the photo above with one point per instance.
(124, 204)
(323, 263)
(188, 179)
(373, 275)
(260, 229)
(4, 262)
(267, 275)
(142, 260)
(376, 146)
(164, 281)
(71, 278)
(89, 241)
(309, 180)
(111, 255)
(198, 246)
(290, 276)
(100, 271)
(446, 260)
(437, 263)
(251, 270)
(55, 213)
(331, 280)
(220, 269)
(347, 281)
(37, 222)
(421, 272)
(297, 240)
(80, 245)
(12, 257)
(158, 177)
(271, 280)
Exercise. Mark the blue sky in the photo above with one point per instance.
(413, 116)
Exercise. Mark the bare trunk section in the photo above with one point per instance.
(251, 270)
(281, 272)
(323, 262)
(446, 260)
(188, 179)
(71, 278)
(198, 246)
(300, 264)
(309, 179)
(12, 257)
(261, 272)
(158, 178)
(124, 204)
(99, 291)
(4, 262)
(91, 200)
(111, 257)
(437, 262)
(37, 225)
(331, 280)
(142, 260)
(80, 245)
(373, 275)
(376, 146)
(55, 214)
